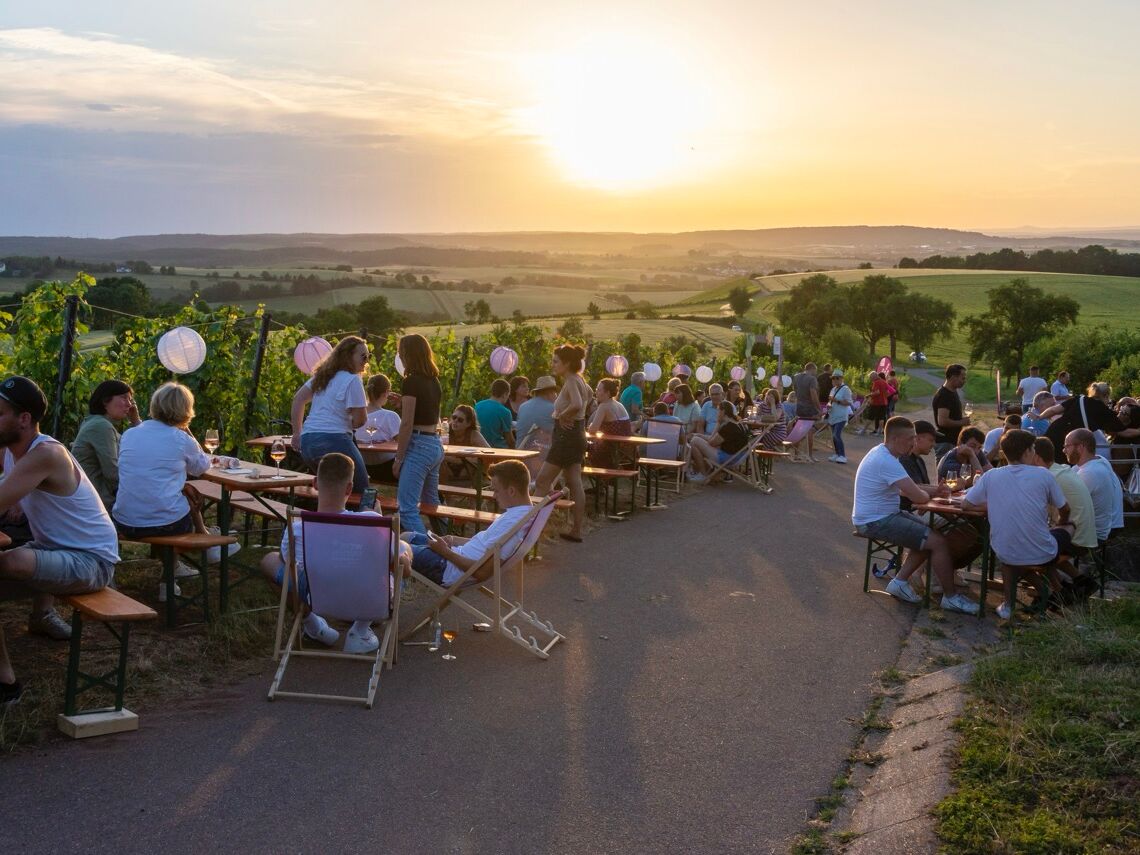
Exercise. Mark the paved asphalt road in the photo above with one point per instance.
(718, 652)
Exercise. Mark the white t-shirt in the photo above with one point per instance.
(154, 460)
(1082, 514)
(993, 437)
(1107, 495)
(876, 486)
(1059, 388)
(1017, 499)
(1029, 387)
(478, 545)
(329, 410)
(387, 425)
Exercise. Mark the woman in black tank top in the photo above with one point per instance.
(568, 444)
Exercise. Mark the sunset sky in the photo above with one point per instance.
(369, 115)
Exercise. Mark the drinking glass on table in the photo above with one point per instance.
(968, 409)
(277, 454)
(952, 482)
(370, 429)
(966, 474)
(210, 443)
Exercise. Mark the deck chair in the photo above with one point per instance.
(350, 560)
(670, 451)
(506, 615)
(798, 433)
(742, 465)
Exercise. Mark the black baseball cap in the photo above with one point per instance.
(25, 396)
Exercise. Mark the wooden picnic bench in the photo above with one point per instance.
(117, 612)
(169, 546)
(470, 492)
(609, 479)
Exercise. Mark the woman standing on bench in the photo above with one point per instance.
(419, 451)
(338, 408)
(568, 445)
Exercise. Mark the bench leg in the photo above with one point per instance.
(168, 558)
(72, 690)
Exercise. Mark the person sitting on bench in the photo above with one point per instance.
(334, 485)
(444, 560)
(74, 548)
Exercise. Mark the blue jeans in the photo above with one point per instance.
(419, 479)
(837, 438)
(424, 559)
(316, 445)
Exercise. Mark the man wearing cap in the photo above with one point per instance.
(536, 416)
(633, 396)
(74, 547)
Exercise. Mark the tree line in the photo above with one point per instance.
(1093, 259)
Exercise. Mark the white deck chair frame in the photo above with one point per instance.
(507, 614)
(743, 464)
(341, 603)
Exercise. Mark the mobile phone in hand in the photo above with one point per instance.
(367, 499)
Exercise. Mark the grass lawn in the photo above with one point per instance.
(1050, 755)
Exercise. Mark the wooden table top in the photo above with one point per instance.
(948, 508)
(389, 447)
(628, 440)
(260, 479)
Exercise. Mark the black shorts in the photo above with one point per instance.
(182, 526)
(568, 446)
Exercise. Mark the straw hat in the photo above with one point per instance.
(542, 384)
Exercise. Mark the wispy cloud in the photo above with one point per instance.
(52, 77)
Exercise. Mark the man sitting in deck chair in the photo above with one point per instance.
(334, 485)
(444, 560)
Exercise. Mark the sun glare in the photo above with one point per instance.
(619, 114)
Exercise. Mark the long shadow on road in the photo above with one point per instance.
(717, 654)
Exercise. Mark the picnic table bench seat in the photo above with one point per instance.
(470, 492)
(169, 546)
(117, 612)
(611, 478)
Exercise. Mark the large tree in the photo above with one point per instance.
(739, 300)
(814, 304)
(923, 319)
(872, 312)
(1018, 315)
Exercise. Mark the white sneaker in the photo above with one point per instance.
(214, 553)
(902, 589)
(697, 478)
(1004, 611)
(318, 629)
(860, 431)
(840, 459)
(361, 641)
(182, 570)
(832, 458)
(162, 591)
(959, 603)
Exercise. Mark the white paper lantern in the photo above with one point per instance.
(681, 368)
(761, 373)
(786, 380)
(504, 360)
(737, 373)
(308, 354)
(182, 350)
(399, 365)
(704, 374)
(652, 371)
(617, 365)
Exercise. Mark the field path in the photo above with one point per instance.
(718, 654)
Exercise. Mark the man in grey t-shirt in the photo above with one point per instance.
(807, 400)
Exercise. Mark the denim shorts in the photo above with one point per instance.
(902, 528)
(68, 571)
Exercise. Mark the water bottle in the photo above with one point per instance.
(436, 635)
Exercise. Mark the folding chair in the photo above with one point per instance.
(349, 561)
(667, 454)
(743, 465)
(506, 621)
(797, 434)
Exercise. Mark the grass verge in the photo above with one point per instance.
(1050, 754)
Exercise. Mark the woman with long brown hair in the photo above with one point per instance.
(419, 451)
(568, 444)
(462, 429)
(336, 393)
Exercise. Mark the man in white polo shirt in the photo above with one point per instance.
(879, 482)
(1016, 499)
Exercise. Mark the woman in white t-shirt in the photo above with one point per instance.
(380, 425)
(338, 408)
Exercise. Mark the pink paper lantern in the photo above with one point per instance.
(738, 372)
(681, 368)
(504, 360)
(616, 366)
(309, 354)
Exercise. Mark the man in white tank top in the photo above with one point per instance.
(74, 547)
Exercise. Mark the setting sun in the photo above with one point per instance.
(619, 114)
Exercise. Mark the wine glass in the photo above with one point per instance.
(952, 482)
(277, 454)
(967, 473)
(968, 410)
(370, 429)
(449, 634)
(210, 443)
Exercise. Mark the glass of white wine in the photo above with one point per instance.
(952, 483)
(210, 443)
(277, 454)
(968, 410)
(370, 429)
(449, 633)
